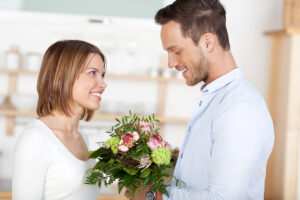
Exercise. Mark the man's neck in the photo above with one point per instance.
(222, 63)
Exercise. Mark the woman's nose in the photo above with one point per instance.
(102, 83)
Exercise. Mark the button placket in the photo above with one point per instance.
(188, 135)
(205, 92)
(200, 103)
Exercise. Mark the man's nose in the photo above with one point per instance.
(172, 62)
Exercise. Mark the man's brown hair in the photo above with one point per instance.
(196, 18)
(61, 66)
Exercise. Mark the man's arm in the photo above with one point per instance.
(242, 141)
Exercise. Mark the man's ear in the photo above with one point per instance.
(208, 42)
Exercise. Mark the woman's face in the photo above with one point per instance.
(89, 85)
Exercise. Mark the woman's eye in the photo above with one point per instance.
(103, 75)
(92, 72)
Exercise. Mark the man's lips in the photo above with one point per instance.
(184, 69)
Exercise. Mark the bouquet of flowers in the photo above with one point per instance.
(134, 155)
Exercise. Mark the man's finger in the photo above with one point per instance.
(128, 195)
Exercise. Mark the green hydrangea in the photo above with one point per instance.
(161, 156)
(113, 143)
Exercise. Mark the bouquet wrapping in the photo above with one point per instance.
(135, 155)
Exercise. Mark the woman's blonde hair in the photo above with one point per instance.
(61, 65)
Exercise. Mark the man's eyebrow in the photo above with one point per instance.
(171, 47)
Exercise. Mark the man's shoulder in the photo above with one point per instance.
(240, 92)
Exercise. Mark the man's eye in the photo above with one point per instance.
(177, 52)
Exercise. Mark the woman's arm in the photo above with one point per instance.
(30, 164)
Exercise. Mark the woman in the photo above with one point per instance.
(50, 156)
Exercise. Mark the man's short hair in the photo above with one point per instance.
(196, 18)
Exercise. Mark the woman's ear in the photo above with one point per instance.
(208, 42)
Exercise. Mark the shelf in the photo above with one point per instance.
(161, 81)
(24, 113)
(286, 31)
(108, 76)
(5, 195)
(17, 71)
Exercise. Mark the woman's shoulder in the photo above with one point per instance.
(34, 132)
(32, 141)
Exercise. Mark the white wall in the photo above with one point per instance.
(247, 21)
(132, 46)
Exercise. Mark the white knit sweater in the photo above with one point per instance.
(45, 169)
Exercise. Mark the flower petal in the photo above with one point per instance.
(123, 148)
(136, 135)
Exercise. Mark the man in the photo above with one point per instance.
(230, 133)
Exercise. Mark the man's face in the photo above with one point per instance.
(183, 54)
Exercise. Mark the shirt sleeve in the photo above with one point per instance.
(242, 138)
(30, 164)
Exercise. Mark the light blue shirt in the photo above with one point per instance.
(227, 145)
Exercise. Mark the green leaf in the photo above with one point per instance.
(145, 173)
(100, 165)
(99, 153)
(130, 170)
(118, 173)
(128, 180)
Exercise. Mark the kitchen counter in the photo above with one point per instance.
(5, 185)
(5, 189)
(5, 192)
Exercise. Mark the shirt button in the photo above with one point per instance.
(200, 103)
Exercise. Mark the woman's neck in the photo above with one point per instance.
(60, 122)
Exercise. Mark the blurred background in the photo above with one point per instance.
(265, 42)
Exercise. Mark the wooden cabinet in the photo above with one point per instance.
(292, 14)
(284, 104)
(11, 113)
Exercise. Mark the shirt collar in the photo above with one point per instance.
(237, 73)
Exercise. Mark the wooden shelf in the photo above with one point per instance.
(108, 76)
(29, 113)
(161, 81)
(286, 31)
(14, 113)
(18, 71)
(5, 195)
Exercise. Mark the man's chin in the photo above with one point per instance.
(192, 82)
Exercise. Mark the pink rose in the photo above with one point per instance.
(157, 137)
(153, 143)
(145, 126)
(165, 144)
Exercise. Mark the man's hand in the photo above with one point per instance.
(140, 194)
